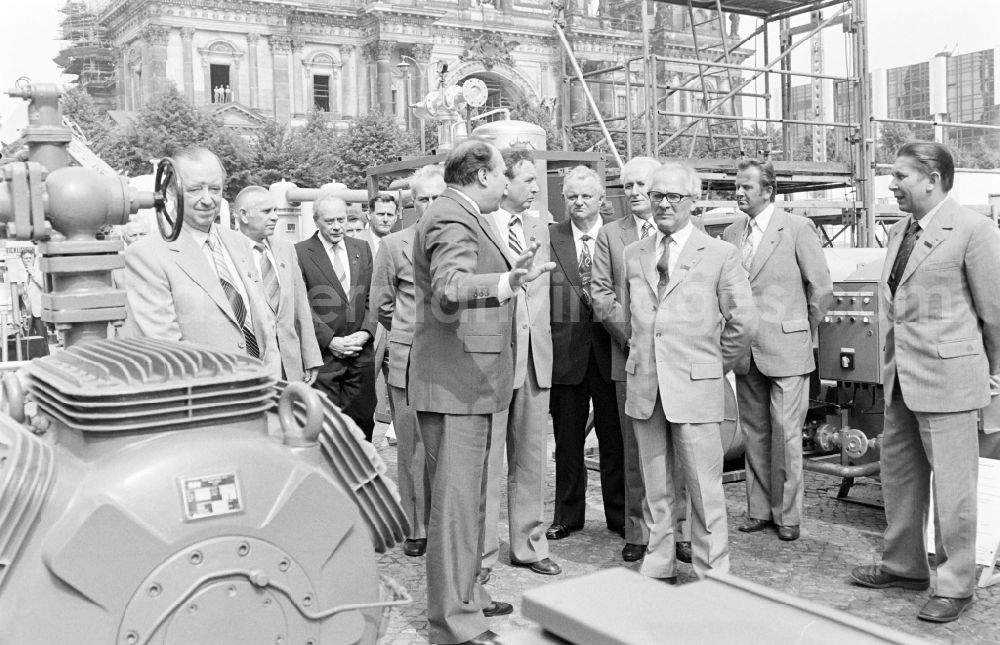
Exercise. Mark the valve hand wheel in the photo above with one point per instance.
(166, 176)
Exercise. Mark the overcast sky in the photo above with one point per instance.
(900, 32)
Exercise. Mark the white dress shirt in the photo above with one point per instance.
(201, 239)
(258, 255)
(677, 242)
(758, 225)
(578, 238)
(501, 218)
(504, 292)
(639, 223)
(339, 251)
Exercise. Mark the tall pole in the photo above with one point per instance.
(864, 143)
(648, 79)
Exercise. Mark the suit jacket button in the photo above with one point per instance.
(241, 344)
(658, 334)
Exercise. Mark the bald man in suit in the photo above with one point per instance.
(692, 316)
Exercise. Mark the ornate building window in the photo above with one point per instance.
(220, 63)
(321, 92)
(323, 76)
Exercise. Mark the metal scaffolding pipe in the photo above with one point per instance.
(586, 91)
(840, 470)
(950, 124)
(823, 25)
(753, 68)
(727, 117)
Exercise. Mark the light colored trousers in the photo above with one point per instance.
(414, 491)
(698, 449)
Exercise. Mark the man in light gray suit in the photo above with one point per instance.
(523, 428)
(692, 316)
(394, 304)
(203, 287)
(281, 279)
(461, 374)
(781, 254)
(608, 284)
(939, 293)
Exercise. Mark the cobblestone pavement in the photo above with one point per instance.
(836, 536)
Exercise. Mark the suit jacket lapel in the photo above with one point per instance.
(772, 236)
(565, 251)
(628, 233)
(688, 259)
(354, 258)
(192, 261)
(319, 256)
(484, 223)
(892, 249)
(936, 232)
(648, 257)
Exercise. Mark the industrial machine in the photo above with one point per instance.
(161, 492)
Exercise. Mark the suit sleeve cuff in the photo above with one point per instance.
(504, 292)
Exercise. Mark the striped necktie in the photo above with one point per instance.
(646, 228)
(269, 277)
(747, 247)
(234, 297)
(512, 238)
(663, 268)
(338, 265)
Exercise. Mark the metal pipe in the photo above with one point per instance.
(935, 122)
(752, 68)
(823, 25)
(586, 91)
(840, 470)
(726, 117)
(704, 85)
(729, 73)
(628, 110)
(649, 82)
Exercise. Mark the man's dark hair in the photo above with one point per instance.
(354, 216)
(931, 157)
(766, 171)
(382, 198)
(513, 157)
(466, 160)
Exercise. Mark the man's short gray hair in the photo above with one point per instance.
(692, 182)
(327, 198)
(244, 195)
(584, 173)
(426, 174)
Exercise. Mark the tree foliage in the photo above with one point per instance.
(373, 139)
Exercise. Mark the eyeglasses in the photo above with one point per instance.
(672, 198)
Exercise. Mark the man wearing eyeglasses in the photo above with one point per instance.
(581, 364)
(692, 316)
(609, 283)
(393, 303)
(781, 255)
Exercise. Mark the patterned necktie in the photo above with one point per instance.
(338, 265)
(586, 263)
(270, 278)
(903, 256)
(663, 268)
(646, 229)
(235, 299)
(747, 247)
(512, 240)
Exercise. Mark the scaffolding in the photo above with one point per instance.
(673, 103)
(89, 54)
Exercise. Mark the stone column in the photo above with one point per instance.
(187, 35)
(155, 62)
(543, 80)
(297, 93)
(206, 75)
(336, 92)
(122, 73)
(577, 98)
(234, 82)
(383, 58)
(421, 54)
(367, 79)
(310, 90)
(351, 100)
(254, 98)
(280, 46)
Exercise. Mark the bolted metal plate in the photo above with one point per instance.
(229, 612)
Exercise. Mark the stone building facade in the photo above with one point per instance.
(260, 59)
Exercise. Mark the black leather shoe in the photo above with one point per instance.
(545, 566)
(872, 576)
(633, 552)
(753, 525)
(486, 638)
(940, 609)
(559, 531)
(683, 551)
(415, 548)
(484, 575)
(788, 533)
(497, 608)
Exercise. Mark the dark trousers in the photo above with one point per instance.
(350, 384)
(570, 408)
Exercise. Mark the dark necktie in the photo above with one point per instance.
(663, 268)
(903, 256)
(586, 262)
(512, 241)
(234, 297)
(269, 277)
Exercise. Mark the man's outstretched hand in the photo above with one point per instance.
(525, 269)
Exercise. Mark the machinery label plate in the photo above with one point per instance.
(211, 495)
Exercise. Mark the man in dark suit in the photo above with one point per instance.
(338, 273)
(581, 365)
(460, 375)
(938, 291)
(782, 257)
